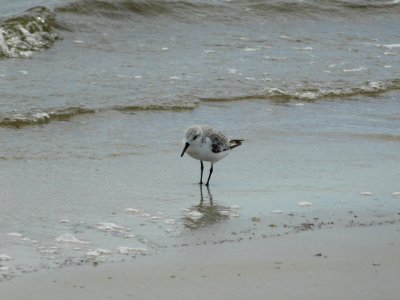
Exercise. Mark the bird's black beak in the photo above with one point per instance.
(184, 149)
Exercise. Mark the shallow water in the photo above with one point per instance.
(91, 124)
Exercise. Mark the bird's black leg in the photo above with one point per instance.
(209, 176)
(201, 173)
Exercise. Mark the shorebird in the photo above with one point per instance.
(207, 144)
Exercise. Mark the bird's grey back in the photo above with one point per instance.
(219, 141)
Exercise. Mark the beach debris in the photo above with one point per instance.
(98, 252)
(320, 255)
(396, 194)
(376, 265)
(69, 238)
(130, 250)
(255, 219)
(128, 236)
(305, 226)
(366, 194)
(304, 203)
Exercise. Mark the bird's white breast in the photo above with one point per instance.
(202, 151)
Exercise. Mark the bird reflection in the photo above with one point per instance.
(210, 197)
(206, 213)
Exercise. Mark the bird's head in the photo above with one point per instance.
(192, 135)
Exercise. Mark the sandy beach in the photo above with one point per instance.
(96, 201)
(335, 263)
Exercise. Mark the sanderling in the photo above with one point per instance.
(207, 144)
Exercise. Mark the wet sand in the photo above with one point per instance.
(331, 263)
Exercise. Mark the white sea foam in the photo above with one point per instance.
(26, 239)
(42, 115)
(390, 53)
(5, 257)
(169, 221)
(391, 46)
(306, 95)
(98, 252)
(229, 213)
(49, 251)
(194, 215)
(304, 203)
(134, 211)
(128, 236)
(278, 212)
(15, 234)
(360, 69)
(303, 48)
(69, 238)
(396, 194)
(130, 250)
(112, 227)
(275, 57)
(366, 193)
(4, 268)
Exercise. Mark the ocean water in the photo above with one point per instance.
(95, 96)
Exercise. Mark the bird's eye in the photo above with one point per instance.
(195, 137)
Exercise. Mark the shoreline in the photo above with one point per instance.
(328, 263)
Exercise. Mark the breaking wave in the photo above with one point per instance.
(31, 31)
(35, 29)
(186, 9)
(18, 120)
(369, 89)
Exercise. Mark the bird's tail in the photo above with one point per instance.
(235, 143)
